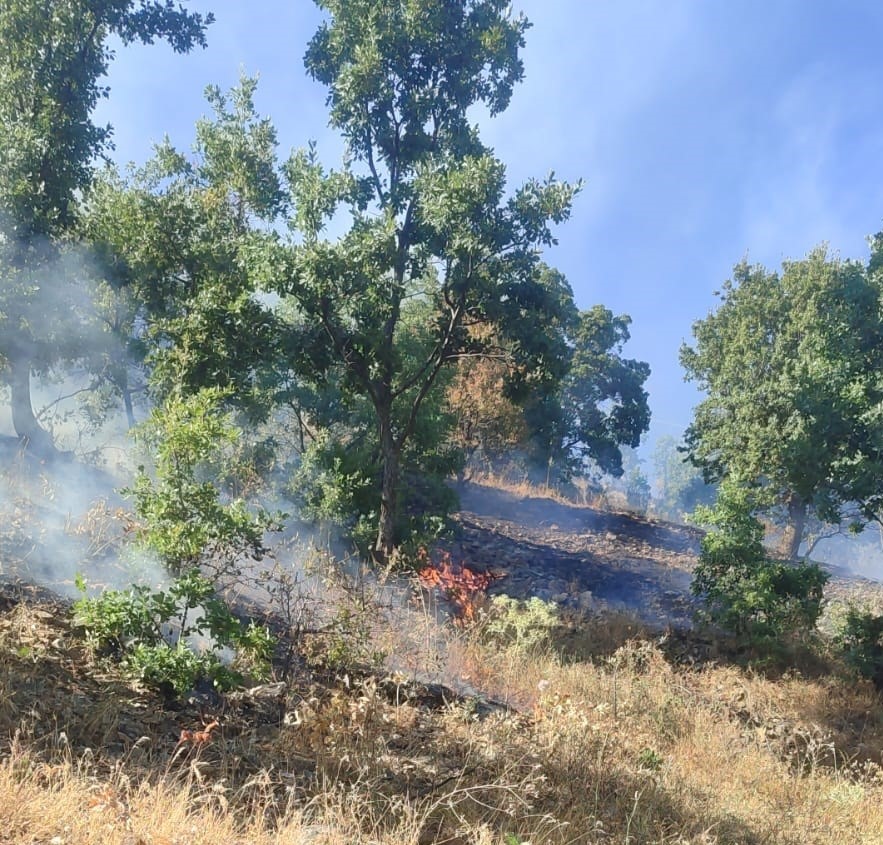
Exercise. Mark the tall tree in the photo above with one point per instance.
(603, 402)
(582, 422)
(428, 210)
(791, 364)
(175, 236)
(53, 56)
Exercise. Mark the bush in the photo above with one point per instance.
(522, 625)
(155, 634)
(742, 589)
(861, 639)
(186, 520)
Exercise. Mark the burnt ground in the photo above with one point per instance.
(592, 560)
(580, 557)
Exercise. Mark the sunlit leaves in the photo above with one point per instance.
(790, 362)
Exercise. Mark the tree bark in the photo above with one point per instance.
(25, 423)
(127, 404)
(389, 463)
(793, 534)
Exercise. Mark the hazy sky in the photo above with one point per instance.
(705, 131)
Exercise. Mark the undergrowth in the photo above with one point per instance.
(626, 743)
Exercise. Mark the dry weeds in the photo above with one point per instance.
(624, 745)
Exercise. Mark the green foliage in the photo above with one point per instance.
(331, 482)
(679, 487)
(650, 760)
(152, 632)
(185, 518)
(54, 62)
(790, 363)
(742, 589)
(53, 69)
(861, 639)
(431, 222)
(603, 399)
(522, 625)
(176, 234)
(637, 490)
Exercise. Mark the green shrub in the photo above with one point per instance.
(743, 590)
(186, 519)
(861, 639)
(522, 625)
(153, 633)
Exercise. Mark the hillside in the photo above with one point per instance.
(601, 728)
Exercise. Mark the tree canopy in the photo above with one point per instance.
(51, 68)
(790, 362)
(430, 219)
(353, 313)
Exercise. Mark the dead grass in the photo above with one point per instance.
(619, 744)
(525, 488)
(581, 493)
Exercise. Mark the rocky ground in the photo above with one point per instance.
(592, 560)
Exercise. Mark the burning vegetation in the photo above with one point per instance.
(260, 614)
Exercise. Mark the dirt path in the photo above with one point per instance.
(579, 557)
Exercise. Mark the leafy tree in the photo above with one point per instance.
(679, 486)
(598, 407)
(603, 404)
(791, 363)
(580, 425)
(429, 219)
(637, 490)
(337, 478)
(174, 237)
(186, 519)
(53, 58)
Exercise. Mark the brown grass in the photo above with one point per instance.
(622, 745)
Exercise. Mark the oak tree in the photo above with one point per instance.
(53, 58)
(427, 213)
(790, 363)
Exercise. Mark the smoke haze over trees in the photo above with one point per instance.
(350, 342)
(376, 324)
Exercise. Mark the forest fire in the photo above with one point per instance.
(463, 587)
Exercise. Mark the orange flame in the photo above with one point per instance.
(463, 587)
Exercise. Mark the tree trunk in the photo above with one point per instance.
(389, 463)
(127, 404)
(31, 433)
(793, 534)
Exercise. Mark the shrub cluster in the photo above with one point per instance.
(742, 589)
(176, 638)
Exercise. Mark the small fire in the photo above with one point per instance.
(463, 587)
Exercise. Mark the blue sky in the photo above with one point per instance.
(705, 131)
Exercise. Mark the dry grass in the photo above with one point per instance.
(624, 745)
(523, 487)
(581, 493)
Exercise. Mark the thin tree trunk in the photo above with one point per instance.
(25, 423)
(389, 462)
(793, 535)
(127, 403)
(130, 411)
